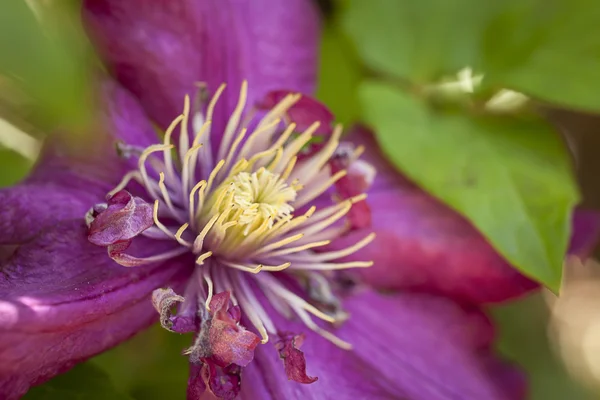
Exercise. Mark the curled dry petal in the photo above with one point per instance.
(209, 381)
(288, 347)
(125, 217)
(164, 300)
(220, 351)
(222, 340)
(229, 342)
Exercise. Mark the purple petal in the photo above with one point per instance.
(407, 346)
(160, 49)
(62, 301)
(585, 232)
(422, 244)
(124, 218)
(33, 206)
(429, 347)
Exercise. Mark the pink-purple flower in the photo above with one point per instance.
(234, 225)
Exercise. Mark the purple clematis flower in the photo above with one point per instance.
(230, 216)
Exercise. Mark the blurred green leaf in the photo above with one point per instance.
(416, 40)
(523, 338)
(339, 75)
(510, 177)
(84, 382)
(47, 62)
(149, 366)
(549, 49)
(13, 167)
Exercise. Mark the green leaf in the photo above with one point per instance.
(511, 178)
(159, 373)
(549, 49)
(522, 328)
(416, 40)
(46, 62)
(339, 75)
(84, 382)
(13, 167)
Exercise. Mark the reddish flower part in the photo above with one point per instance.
(122, 219)
(288, 347)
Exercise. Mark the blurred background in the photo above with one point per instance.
(46, 65)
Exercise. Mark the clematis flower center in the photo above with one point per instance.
(248, 202)
(245, 210)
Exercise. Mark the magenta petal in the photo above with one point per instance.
(408, 346)
(585, 232)
(429, 347)
(160, 49)
(62, 300)
(124, 116)
(125, 217)
(33, 206)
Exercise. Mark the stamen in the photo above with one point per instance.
(290, 250)
(184, 139)
(142, 166)
(234, 120)
(294, 148)
(131, 261)
(269, 283)
(317, 162)
(199, 242)
(233, 148)
(276, 112)
(311, 194)
(333, 266)
(191, 198)
(209, 284)
(274, 268)
(205, 154)
(326, 334)
(257, 315)
(244, 267)
(167, 146)
(166, 230)
(200, 260)
(213, 174)
(180, 231)
(185, 167)
(125, 181)
(165, 193)
(278, 244)
(334, 255)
